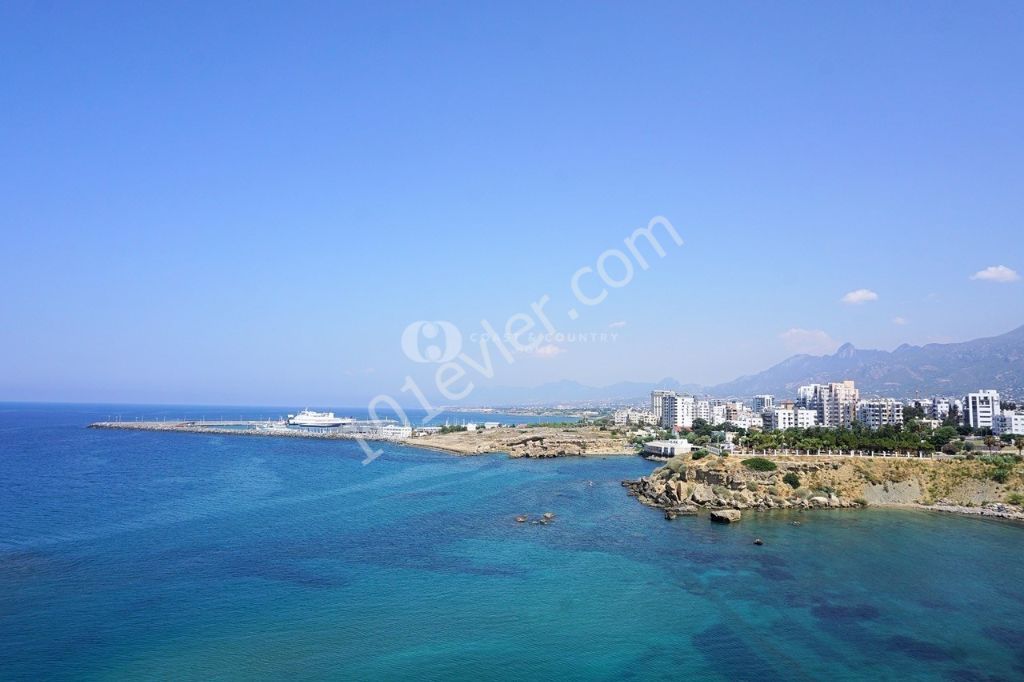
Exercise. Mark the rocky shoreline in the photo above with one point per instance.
(675, 497)
(995, 510)
(528, 442)
(685, 486)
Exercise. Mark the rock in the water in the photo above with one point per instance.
(521, 519)
(669, 515)
(758, 541)
(548, 515)
(725, 516)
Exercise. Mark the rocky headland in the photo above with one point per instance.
(684, 485)
(530, 441)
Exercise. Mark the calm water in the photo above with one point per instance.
(169, 556)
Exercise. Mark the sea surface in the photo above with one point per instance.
(139, 555)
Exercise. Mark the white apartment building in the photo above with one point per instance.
(677, 411)
(933, 408)
(805, 418)
(779, 418)
(657, 400)
(840, 405)
(631, 416)
(879, 412)
(749, 421)
(926, 405)
(1008, 422)
(809, 395)
(702, 410)
(763, 403)
(834, 403)
(719, 415)
(782, 418)
(980, 409)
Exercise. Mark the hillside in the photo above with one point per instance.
(950, 368)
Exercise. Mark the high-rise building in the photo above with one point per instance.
(677, 411)
(834, 403)
(763, 403)
(981, 408)
(657, 398)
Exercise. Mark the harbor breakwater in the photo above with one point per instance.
(250, 428)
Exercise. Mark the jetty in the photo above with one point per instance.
(366, 430)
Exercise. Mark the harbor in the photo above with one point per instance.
(349, 429)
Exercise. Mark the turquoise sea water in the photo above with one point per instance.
(173, 556)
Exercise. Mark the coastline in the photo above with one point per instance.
(516, 442)
(684, 486)
(688, 486)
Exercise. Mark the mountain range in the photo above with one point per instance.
(934, 369)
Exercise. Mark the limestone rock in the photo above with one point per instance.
(725, 516)
(702, 494)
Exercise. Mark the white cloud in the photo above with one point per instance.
(812, 341)
(997, 273)
(859, 296)
(900, 320)
(617, 325)
(549, 350)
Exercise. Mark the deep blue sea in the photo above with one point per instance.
(133, 555)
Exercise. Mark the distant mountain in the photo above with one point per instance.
(937, 368)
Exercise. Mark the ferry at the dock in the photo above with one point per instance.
(310, 418)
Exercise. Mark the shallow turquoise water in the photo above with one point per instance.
(147, 555)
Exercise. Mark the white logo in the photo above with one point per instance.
(444, 337)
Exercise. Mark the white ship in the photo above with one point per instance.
(310, 418)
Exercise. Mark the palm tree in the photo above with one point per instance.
(990, 442)
(1019, 444)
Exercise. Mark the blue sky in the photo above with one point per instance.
(227, 202)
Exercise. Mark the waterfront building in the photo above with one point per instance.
(980, 409)
(667, 448)
(878, 412)
(395, 432)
